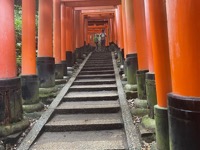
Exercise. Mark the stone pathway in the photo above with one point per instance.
(89, 116)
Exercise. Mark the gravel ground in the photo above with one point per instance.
(137, 121)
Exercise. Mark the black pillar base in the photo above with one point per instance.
(69, 58)
(162, 128)
(11, 107)
(132, 67)
(141, 83)
(78, 53)
(74, 57)
(64, 63)
(151, 92)
(59, 71)
(46, 71)
(30, 93)
(184, 122)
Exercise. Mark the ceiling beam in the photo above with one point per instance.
(103, 11)
(90, 3)
(94, 8)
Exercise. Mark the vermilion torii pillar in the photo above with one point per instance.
(69, 33)
(158, 24)
(130, 25)
(119, 26)
(77, 28)
(72, 30)
(124, 27)
(140, 30)
(11, 118)
(81, 29)
(59, 71)
(183, 102)
(78, 34)
(111, 30)
(45, 59)
(131, 53)
(115, 30)
(85, 30)
(29, 78)
(149, 37)
(63, 38)
(150, 76)
(141, 45)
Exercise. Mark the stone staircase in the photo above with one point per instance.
(88, 116)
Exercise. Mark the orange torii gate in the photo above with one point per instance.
(159, 35)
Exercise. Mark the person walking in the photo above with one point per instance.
(96, 41)
(103, 39)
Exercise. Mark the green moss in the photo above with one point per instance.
(139, 112)
(32, 108)
(140, 103)
(148, 122)
(9, 129)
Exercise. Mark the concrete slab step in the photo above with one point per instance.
(88, 140)
(88, 107)
(102, 87)
(91, 96)
(94, 81)
(106, 58)
(98, 65)
(96, 76)
(96, 68)
(84, 122)
(98, 62)
(97, 72)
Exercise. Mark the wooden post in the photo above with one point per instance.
(140, 29)
(158, 24)
(69, 33)
(45, 59)
(11, 118)
(59, 71)
(131, 63)
(63, 38)
(183, 102)
(29, 78)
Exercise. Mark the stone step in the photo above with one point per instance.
(102, 87)
(96, 72)
(97, 57)
(94, 81)
(98, 65)
(100, 61)
(96, 68)
(87, 140)
(96, 76)
(91, 96)
(84, 122)
(88, 107)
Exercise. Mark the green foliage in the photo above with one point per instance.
(18, 33)
(18, 28)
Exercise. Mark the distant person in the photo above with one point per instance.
(96, 40)
(103, 38)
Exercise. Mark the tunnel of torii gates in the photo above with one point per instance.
(159, 40)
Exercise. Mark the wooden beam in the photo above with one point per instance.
(95, 8)
(98, 11)
(90, 3)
